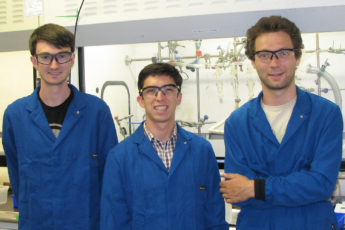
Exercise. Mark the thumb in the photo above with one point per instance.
(228, 175)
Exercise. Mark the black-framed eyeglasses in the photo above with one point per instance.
(167, 90)
(281, 54)
(47, 58)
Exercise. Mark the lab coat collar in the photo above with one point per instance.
(299, 114)
(78, 101)
(181, 148)
(37, 115)
(74, 113)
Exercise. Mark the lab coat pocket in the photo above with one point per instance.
(201, 198)
(202, 194)
(155, 199)
(94, 169)
(23, 203)
(155, 207)
(34, 210)
(138, 220)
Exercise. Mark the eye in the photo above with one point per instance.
(150, 90)
(169, 89)
(264, 55)
(62, 55)
(45, 56)
(283, 53)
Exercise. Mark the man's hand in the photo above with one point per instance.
(237, 188)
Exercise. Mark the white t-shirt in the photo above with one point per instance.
(278, 117)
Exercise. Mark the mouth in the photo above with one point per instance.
(276, 75)
(161, 107)
(54, 73)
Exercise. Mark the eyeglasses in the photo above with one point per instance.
(167, 90)
(267, 55)
(61, 58)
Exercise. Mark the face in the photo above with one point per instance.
(159, 108)
(276, 74)
(53, 73)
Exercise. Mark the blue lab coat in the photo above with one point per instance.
(139, 193)
(300, 173)
(57, 181)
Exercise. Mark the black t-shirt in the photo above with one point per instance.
(56, 115)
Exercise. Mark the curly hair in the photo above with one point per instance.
(273, 24)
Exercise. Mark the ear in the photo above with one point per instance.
(179, 98)
(253, 63)
(298, 61)
(140, 101)
(73, 58)
(34, 61)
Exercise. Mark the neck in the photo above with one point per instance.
(161, 131)
(278, 97)
(54, 95)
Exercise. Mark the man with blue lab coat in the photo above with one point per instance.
(56, 141)
(162, 177)
(283, 148)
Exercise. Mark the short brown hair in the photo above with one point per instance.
(159, 69)
(52, 33)
(273, 24)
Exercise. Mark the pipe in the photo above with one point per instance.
(109, 83)
(331, 81)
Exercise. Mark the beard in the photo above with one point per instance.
(286, 83)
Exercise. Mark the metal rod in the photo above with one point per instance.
(159, 54)
(318, 64)
(81, 69)
(160, 58)
(198, 97)
(36, 79)
(197, 71)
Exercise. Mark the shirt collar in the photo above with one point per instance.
(151, 137)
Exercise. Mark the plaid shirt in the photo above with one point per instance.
(165, 149)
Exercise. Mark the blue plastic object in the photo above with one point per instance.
(341, 220)
(15, 205)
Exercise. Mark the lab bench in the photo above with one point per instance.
(8, 215)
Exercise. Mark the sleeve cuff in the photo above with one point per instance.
(259, 188)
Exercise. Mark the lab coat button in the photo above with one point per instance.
(185, 142)
(301, 116)
(78, 112)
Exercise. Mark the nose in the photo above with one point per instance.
(274, 59)
(54, 63)
(274, 55)
(160, 93)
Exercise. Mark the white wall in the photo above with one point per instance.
(16, 79)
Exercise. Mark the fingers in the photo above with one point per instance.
(224, 186)
(229, 175)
